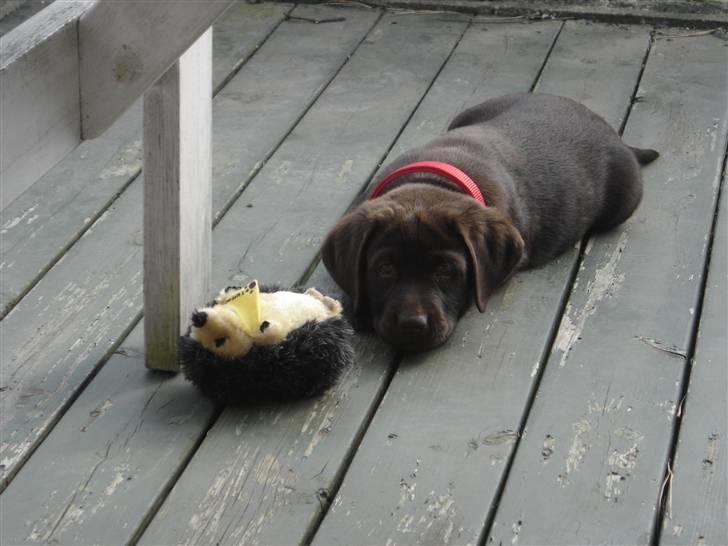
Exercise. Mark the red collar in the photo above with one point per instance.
(453, 174)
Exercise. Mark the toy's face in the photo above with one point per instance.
(218, 330)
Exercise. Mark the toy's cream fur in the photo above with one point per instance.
(221, 332)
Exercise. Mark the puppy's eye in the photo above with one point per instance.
(386, 270)
(444, 269)
(219, 342)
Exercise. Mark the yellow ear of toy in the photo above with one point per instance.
(246, 304)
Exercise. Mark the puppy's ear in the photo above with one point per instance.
(496, 250)
(343, 254)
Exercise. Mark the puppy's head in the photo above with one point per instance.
(411, 259)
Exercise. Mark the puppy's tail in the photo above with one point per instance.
(644, 156)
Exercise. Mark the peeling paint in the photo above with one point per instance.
(516, 530)
(345, 172)
(712, 452)
(404, 524)
(670, 408)
(10, 224)
(611, 491)
(625, 460)
(605, 406)
(281, 173)
(98, 411)
(578, 447)
(407, 492)
(549, 444)
(500, 437)
(605, 283)
(628, 433)
(117, 480)
(426, 124)
(323, 428)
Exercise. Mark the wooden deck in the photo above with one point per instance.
(588, 404)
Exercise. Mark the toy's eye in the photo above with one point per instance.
(219, 342)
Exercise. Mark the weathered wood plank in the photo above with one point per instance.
(52, 214)
(55, 338)
(15, 12)
(124, 47)
(177, 200)
(697, 512)
(603, 413)
(238, 33)
(38, 126)
(514, 53)
(263, 477)
(578, 58)
(430, 466)
(105, 465)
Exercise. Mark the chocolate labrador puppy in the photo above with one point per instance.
(514, 182)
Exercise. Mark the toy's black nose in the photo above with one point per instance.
(414, 323)
(199, 318)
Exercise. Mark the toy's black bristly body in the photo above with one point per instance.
(309, 361)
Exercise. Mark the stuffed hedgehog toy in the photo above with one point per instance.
(253, 345)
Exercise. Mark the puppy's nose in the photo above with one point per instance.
(413, 323)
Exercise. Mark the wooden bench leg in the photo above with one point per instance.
(177, 200)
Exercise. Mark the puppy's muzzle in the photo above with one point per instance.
(413, 324)
(412, 331)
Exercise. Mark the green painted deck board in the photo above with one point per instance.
(606, 404)
(698, 510)
(54, 339)
(429, 467)
(38, 227)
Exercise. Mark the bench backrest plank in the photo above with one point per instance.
(123, 51)
(39, 98)
(71, 70)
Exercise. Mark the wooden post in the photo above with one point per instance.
(177, 200)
